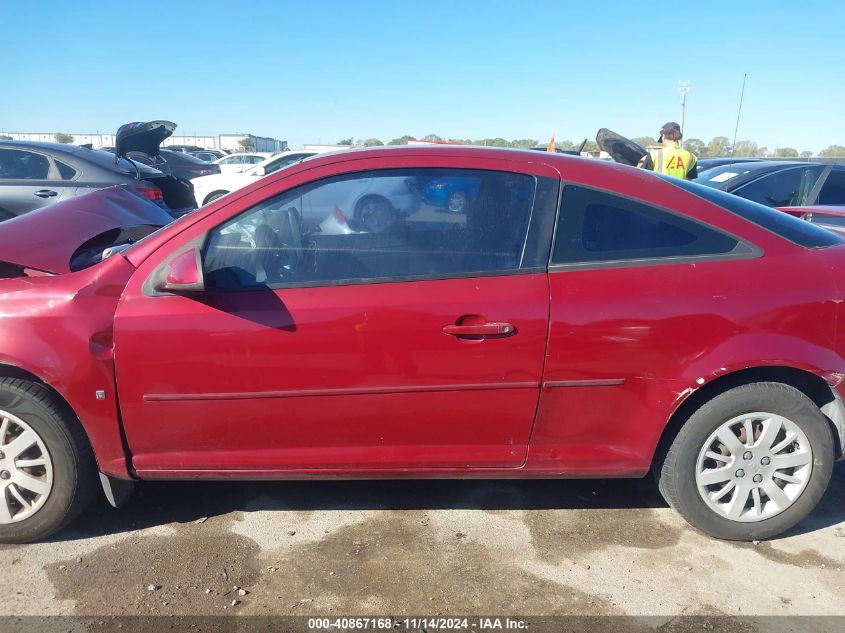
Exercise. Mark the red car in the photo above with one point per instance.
(605, 322)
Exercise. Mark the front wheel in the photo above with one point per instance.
(457, 202)
(374, 214)
(214, 196)
(47, 469)
(750, 463)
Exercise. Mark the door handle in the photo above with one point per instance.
(482, 329)
(46, 193)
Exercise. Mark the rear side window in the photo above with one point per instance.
(16, 164)
(65, 171)
(600, 227)
(785, 188)
(787, 226)
(833, 189)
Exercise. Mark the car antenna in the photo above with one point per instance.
(738, 113)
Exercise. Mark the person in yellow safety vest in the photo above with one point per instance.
(670, 158)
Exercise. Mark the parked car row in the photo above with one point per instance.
(35, 175)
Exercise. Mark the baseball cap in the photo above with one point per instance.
(669, 127)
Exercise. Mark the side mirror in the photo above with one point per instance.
(183, 273)
(260, 171)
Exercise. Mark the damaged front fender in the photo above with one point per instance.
(58, 328)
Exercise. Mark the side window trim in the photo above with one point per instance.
(743, 250)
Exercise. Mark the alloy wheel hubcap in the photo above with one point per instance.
(26, 470)
(375, 216)
(456, 203)
(753, 467)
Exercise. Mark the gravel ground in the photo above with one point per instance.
(420, 547)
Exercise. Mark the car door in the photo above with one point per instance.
(639, 293)
(418, 347)
(28, 180)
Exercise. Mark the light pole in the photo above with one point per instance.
(683, 89)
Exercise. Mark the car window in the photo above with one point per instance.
(784, 188)
(833, 189)
(595, 226)
(231, 160)
(253, 159)
(17, 164)
(786, 226)
(719, 175)
(284, 161)
(65, 171)
(381, 225)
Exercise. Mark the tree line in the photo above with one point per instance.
(718, 146)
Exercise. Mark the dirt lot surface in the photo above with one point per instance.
(420, 547)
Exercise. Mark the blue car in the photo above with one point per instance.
(454, 194)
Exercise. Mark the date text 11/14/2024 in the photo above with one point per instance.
(417, 623)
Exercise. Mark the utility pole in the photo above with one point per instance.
(683, 89)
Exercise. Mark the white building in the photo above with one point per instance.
(221, 141)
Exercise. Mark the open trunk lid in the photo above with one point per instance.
(622, 150)
(144, 137)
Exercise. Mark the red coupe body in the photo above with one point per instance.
(588, 366)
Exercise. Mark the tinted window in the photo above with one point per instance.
(833, 189)
(718, 176)
(284, 161)
(252, 160)
(595, 226)
(65, 171)
(381, 225)
(20, 165)
(784, 188)
(789, 227)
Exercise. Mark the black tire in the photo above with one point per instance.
(457, 202)
(374, 214)
(675, 470)
(74, 467)
(214, 196)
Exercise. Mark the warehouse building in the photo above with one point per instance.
(231, 142)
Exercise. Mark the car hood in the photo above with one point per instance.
(142, 137)
(48, 238)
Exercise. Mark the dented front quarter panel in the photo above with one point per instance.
(59, 328)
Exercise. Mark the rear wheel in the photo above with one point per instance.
(47, 468)
(374, 214)
(750, 463)
(214, 196)
(457, 202)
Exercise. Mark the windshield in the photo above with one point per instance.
(779, 222)
(278, 162)
(718, 176)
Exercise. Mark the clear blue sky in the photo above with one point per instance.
(319, 71)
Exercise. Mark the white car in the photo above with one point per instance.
(240, 162)
(209, 188)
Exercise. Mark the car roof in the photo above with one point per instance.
(43, 145)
